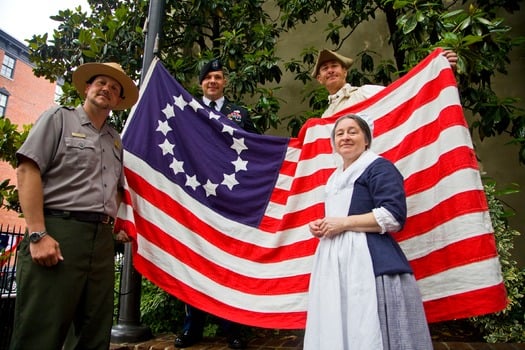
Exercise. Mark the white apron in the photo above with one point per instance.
(342, 303)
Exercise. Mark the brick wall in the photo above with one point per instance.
(29, 97)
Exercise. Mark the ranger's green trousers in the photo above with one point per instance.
(73, 298)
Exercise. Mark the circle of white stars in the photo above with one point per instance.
(167, 148)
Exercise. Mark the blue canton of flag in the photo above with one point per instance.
(210, 157)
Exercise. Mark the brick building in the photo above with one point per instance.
(23, 97)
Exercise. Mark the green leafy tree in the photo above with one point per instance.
(244, 35)
(241, 34)
(10, 140)
(473, 29)
(112, 31)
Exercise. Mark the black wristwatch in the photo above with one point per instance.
(35, 237)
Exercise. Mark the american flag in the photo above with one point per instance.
(8, 244)
(219, 216)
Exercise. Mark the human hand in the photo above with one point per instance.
(315, 228)
(46, 252)
(452, 57)
(332, 226)
(327, 227)
(122, 236)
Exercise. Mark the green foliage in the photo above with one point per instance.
(159, 310)
(473, 29)
(111, 32)
(163, 313)
(243, 35)
(10, 141)
(509, 324)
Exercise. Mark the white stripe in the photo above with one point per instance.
(427, 156)
(292, 154)
(306, 168)
(472, 225)
(310, 166)
(419, 118)
(462, 180)
(284, 182)
(405, 92)
(467, 278)
(228, 227)
(201, 246)
(296, 203)
(256, 303)
(317, 132)
(409, 89)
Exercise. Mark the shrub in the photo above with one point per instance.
(160, 311)
(507, 325)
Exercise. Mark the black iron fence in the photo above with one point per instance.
(9, 238)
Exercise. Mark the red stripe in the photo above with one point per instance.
(292, 219)
(269, 224)
(429, 92)
(217, 273)
(300, 185)
(311, 182)
(316, 148)
(284, 320)
(226, 243)
(288, 168)
(425, 135)
(478, 302)
(455, 255)
(296, 143)
(448, 163)
(280, 196)
(460, 204)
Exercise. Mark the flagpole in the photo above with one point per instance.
(128, 328)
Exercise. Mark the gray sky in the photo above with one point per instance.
(23, 18)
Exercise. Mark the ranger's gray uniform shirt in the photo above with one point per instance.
(81, 167)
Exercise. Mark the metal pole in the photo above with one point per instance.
(151, 46)
(128, 328)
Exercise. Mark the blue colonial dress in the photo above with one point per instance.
(362, 291)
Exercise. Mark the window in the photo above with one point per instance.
(8, 67)
(3, 103)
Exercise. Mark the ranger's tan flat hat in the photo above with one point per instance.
(111, 69)
(329, 55)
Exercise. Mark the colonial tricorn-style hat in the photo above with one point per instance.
(212, 66)
(111, 69)
(329, 55)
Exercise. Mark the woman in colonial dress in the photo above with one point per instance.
(363, 294)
